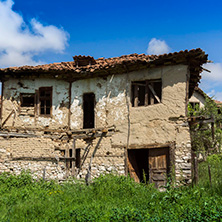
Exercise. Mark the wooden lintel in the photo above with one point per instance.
(144, 146)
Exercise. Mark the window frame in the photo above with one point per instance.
(22, 95)
(40, 98)
(150, 96)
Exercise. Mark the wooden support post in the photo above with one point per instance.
(151, 94)
(146, 103)
(136, 100)
(74, 155)
(209, 172)
(195, 170)
(88, 175)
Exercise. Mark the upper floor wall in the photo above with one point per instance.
(141, 96)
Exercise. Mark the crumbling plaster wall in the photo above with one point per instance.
(60, 102)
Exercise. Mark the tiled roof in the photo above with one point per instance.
(87, 67)
(218, 102)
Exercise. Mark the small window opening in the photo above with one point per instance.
(88, 110)
(195, 105)
(146, 93)
(45, 100)
(63, 153)
(78, 158)
(70, 155)
(27, 99)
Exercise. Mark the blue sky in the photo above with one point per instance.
(37, 32)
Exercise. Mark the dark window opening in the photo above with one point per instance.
(70, 155)
(78, 158)
(27, 99)
(88, 110)
(63, 153)
(146, 93)
(45, 100)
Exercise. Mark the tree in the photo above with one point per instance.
(206, 137)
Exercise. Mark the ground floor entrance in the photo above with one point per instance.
(149, 165)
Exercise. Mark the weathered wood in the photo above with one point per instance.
(158, 166)
(136, 99)
(88, 175)
(74, 155)
(144, 146)
(146, 102)
(7, 118)
(17, 135)
(195, 168)
(154, 93)
(133, 168)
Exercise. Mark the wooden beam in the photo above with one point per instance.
(154, 93)
(144, 146)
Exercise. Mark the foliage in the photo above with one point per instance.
(214, 164)
(108, 198)
(201, 134)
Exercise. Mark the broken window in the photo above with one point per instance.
(146, 93)
(88, 110)
(45, 100)
(27, 99)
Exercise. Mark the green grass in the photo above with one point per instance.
(110, 198)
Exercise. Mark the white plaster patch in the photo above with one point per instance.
(59, 115)
(27, 120)
(44, 121)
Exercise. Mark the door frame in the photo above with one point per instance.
(171, 147)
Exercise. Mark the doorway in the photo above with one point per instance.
(149, 165)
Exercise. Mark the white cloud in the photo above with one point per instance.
(211, 82)
(157, 47)
(216, 72)
(19, 43)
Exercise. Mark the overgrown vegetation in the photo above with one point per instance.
(206, 140)
(108, 198)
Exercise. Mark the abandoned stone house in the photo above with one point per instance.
(87, 117)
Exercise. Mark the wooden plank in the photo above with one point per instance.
(154, 94)
(146, 103)
(158, 166)
(74, 155)
(136, 99)
(7, 118)
(144, 146)
(133, 168)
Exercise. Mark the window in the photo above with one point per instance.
(78, 158)
(195, 105)
(27, 99)
(45, 100)
(146, 93)
(88, 110)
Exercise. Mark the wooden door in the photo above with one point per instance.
(133, 168)
(158, 166)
